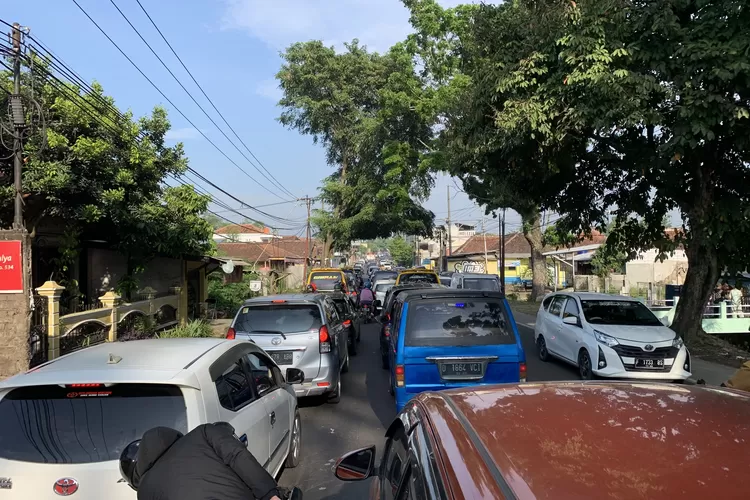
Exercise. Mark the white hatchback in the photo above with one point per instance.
(609, 336)
(65, 423)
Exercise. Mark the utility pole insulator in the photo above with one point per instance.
(16, 111)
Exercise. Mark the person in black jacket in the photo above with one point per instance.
(207, 463)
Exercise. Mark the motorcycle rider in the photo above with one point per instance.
(365, 296)
(208, 462)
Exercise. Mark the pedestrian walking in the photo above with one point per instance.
(735, 296)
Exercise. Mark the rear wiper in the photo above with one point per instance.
(275, 332)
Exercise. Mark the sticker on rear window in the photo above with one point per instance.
(325, 277)
(245, 310)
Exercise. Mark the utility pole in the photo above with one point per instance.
(308, 202)
(19, 123)
(448, 222)
(484, 235)
(502, 251)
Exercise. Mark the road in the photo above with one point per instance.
(361, 418)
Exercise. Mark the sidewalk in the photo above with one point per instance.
(712, 373)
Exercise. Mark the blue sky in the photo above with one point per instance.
(232, 47)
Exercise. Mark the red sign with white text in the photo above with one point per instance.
(11, 267)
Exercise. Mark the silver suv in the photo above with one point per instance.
(301, 331)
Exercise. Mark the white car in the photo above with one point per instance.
(609, 336)
(65, 423)
(380, 288)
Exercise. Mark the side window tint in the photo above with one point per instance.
(233, 388)
(547, 302)
(571, 309)
(556, 306)
(396, 320)
(394, 464)
(261, 371)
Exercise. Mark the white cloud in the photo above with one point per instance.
(182, 134)
(279, 23)
(269, 89)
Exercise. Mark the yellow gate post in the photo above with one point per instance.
(53, 292)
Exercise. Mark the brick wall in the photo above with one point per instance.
(14, 316)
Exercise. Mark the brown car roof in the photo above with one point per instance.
(592, 440)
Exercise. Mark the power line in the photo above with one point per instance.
(169, 100)
(193, 98)
(208, 98)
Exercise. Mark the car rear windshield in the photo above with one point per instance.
(59, 425)
(484, 284)
(618, 312)
(278, 318)
(383, 287)
(384, 275)
(418, 277)
(457, 321)
(326, 281)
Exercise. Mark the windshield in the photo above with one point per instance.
(278, 318)
(618, 312)
(384, 275)
(325, 281)
(58, 425)
(418, 277)
(484, 284)
(383, 287)
(453, 321)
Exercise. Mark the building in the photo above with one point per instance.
(479, 254)
(243, 233)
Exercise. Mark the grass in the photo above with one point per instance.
(524, 307)
(193, 329)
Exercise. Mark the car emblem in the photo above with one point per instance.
(65, 486)
(276, 340)
(6, 483)
(648, 347)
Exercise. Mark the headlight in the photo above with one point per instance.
(677, 342)
(605, 339)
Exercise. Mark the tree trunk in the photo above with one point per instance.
(700, 280)
(532, 231)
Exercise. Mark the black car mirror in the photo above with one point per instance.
(128, 463)
(295, 376)
(377, 303)
(356, 465)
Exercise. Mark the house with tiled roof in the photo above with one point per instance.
(480, 254)
(243, 233)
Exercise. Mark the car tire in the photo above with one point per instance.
(335, 396)
(541, 348)
(391, 391)
(585, 369)
(292, 460)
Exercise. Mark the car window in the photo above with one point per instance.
(396, 321)
(65, 425)
(557, 304)
(233, 387)
(618, 312)
(383, 287)
(273, 319)
(484, 284)
(458, 322)
(571, 308)
(418, 278)
(394, 465)
(326, 281)
(261, 371)
(547, 302)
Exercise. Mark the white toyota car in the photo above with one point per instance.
(64, 424)
(609, 336)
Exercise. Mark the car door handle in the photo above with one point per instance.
(273, 417)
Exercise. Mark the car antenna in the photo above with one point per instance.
(113, 359)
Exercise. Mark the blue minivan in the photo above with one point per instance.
(448, 338)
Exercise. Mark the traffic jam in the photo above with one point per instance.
(467, 425)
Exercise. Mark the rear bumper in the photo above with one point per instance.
(325, 382)
(404, 394)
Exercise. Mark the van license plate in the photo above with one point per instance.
(461, 370)
(649, 364)
(283, 357)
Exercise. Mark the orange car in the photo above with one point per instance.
(563, 440)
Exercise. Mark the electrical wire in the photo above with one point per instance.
(272, 181)
(170, 101)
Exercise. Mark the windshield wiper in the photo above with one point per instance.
(275, 332)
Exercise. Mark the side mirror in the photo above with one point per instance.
(356, 465)
(295, 376)
(572, 320)
(128, 461)
(377, 303)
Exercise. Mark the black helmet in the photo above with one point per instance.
(129, 462)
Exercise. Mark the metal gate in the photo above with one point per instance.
(38, 331)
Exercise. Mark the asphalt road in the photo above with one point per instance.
(361, 418)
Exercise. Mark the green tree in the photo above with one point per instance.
(102, 175)
(664, 85)
(360, 107)
(401, 251)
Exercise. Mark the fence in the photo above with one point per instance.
(38, 331)
(113, 320)
(721, 318)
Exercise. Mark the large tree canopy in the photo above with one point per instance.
(103, 173)
(362, 107)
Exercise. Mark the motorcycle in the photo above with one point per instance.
(367, 314)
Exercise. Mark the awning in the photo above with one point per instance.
(583, 257)
(574, 250)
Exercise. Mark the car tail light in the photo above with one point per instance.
(231, 333)
(522, 372)
(70, 386)
(400, 372)
(348, 322)
(278, 301)
(325, 339)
